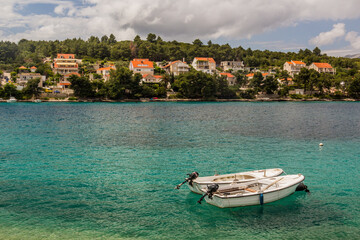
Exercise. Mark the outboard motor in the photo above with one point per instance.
(190, 179)
(302, 187)
(210, 192)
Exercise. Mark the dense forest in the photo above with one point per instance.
(154, 48)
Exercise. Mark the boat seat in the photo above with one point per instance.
(250, 190)
(228, 190)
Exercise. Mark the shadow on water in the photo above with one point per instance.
(298, 211)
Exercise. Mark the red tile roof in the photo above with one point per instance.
(171, 64)
(252, 74)
(322, 65)
(229, 75)
(66, 56)
(155, 76)
(22, 67)
(33, 67)
(142, 63)
(106, 68)
(74, 73)
(64, 84)
(211, 60)
(299, 62)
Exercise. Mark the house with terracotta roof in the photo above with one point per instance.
(177, 67)
(251, 75)
(148, 78)
(206, 65)
(24, 77)
(294, 67)
(66, 76)
(232, 65)
(23, 69)
(322, 68)
(33, 69)
(105, 72)
(142, 66)
(229, 77)
(65, 64)
(285, 81)
(64, 85)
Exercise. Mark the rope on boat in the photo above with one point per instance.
(272, 184)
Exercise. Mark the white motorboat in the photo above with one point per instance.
(196, 183)
(257, 192)
(37, 101)
(11, 100)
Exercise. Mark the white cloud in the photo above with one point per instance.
(183, 20)
(65, 8)
(354, 40)
(326, 38)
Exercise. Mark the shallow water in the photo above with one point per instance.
(107, 170)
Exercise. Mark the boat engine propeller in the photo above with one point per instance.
(302, 187)
(192, 176)
(210, 192)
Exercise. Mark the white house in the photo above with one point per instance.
(105, 72)
(294, 67)
(233, 65)
(142, 66)
(178, 67)
(322, 68)
(206, 65)
(229, 77)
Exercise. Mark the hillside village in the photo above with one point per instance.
(66, 76)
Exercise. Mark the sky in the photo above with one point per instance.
(277, 25)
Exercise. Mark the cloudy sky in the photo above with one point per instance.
(285, 25)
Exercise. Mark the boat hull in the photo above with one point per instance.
(227, 180)
(254, 198)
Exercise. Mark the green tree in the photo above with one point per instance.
(317, 51)
(284, 75)
(197, 42)
(270, 85)
(196, 84)
(99, 87)
(303, 78)
(32, 88)
(324, 82)
(104, 39)
(123, 84)
(112, 39)
(11, 91)
(222, 88)
(82, 86)
(256, 81)
(240, 78)
(151, 38)
(354, 88)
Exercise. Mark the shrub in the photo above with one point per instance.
(296, 96)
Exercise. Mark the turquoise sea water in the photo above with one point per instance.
(108, 171)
